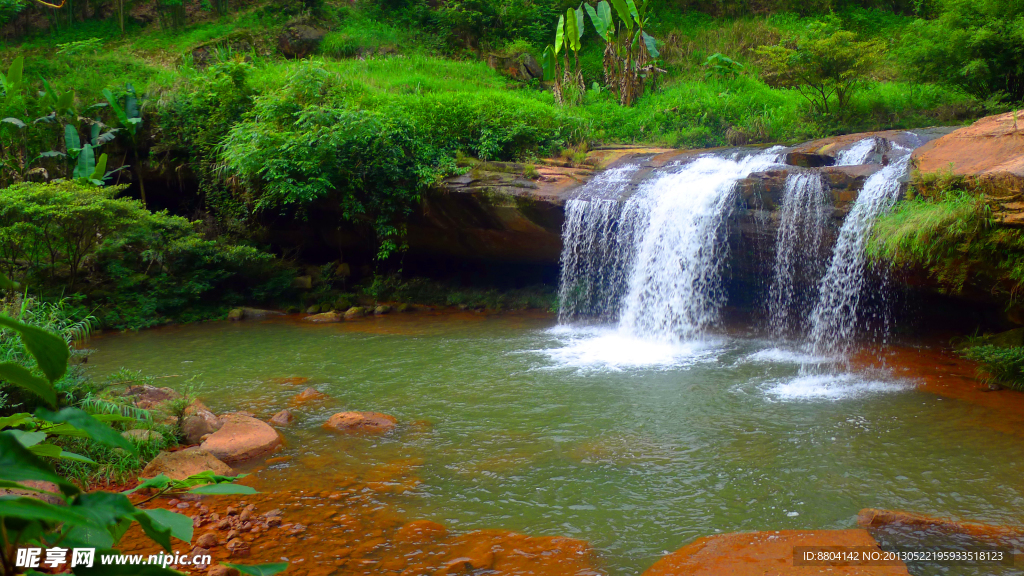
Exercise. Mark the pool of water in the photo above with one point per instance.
(636, 447)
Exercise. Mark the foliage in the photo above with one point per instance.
(96, 519)
(822, 64)
(1004, 366)
(953, 237)
(976, 45)
(141, 267)
(630, 52)
(394, 288)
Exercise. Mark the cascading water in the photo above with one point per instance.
(655, 263)
(859, 153)
(834, 318)
(595, 249)
(806, 206)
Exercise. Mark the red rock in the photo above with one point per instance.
(420, 531)
(184, 463)
(282, 418)
(242, 438)
(208, 540)
(201, 423)
(238, 548)
(875, 518)
(990, 150)
(765, 554)
(374, 422)
(309, 395)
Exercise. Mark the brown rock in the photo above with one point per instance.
(765, 554)
(809, 160)
(208, 540)
(224, 524)
(199, 424)
(990, 150)
(282, 418)
(148, 397)
(49, 492)
(238, 548)
(308, 395)
(876, 518)
(242, 438)
(420, 531)
(184, 463)
(324, 317)
(222, 571)
(374, 422)
(355, 312)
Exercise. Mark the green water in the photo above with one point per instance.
(636, 447)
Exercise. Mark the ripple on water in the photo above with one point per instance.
(831, 387)
(611, 349)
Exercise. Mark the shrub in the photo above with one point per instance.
(1003, 366)
(141, 268)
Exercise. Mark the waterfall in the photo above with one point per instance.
(654, 262)
(859, 153)
(806, 205)
(834, 318)
(595, 249)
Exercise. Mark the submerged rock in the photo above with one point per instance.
(765, 553)
(373, 422)
(309, 395)
(282, 418)
(324, 317)
(355, 312)
(184, 463)
(876, 518)
(420, 531)
(242, 438)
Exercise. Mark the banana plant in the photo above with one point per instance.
(630, 52)
(130, 118)
(568, 35)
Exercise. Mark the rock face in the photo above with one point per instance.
(765, 554)
(372, 422)
(521, 66)
(300, 40)
(242, 438)
(199, 424)
(991, 151)
(184, 463)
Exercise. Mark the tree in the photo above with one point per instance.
(825, 65)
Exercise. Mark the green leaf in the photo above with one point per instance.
(604, 12)
(572, 30)
(14, 73)
(623, 11)
(652, 48)
(45, 450)
(180, 526)
(26, 508)
(71, 139)
(549, 62)
(633, 12)
(599, 24)
(15, 420)
(158, 482)
(96, 430)
(20, 376)
(559, 34)
(101, 169)
(74, 457)
(259, 569)
(580, 26)
(29, 439)
(7, 284)
(14, 121)
(18, 464)
(217, 489)
(157, 533)
(50, 351)
(66, 100)
(86, 162)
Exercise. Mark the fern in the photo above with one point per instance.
(94, 405)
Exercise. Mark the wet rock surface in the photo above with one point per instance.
(355, 422)
(878, 518)
(184, 463)
(767, 553)
(242, 438)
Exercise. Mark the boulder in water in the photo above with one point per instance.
(184, 463)
(309, 395)
(242, 438)
(199, 424)
(877, 518)
(419, 531)
(355, 312)
(373, 422)
(282, 418)
(381, 310)
(809, 159)
(324, 317)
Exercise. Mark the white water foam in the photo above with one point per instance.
(784, 356)
(857, 154)
(610, 349)
(832, 387)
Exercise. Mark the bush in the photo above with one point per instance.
(1004, 366)
(976, 45)
(140, 268)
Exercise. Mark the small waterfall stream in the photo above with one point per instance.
(806, 207)
(834, 318)
(654, 262)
